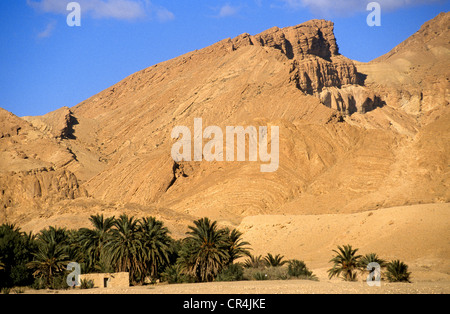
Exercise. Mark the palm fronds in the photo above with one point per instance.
(345, 263)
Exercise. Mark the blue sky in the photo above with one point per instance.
(45, 64)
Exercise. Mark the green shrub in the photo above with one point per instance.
(59, 282)
(87, 284)
(260, 276)
(397, 271)
(295, 269)
(234, 272)
(269, 273)
(16, 249)
(277, 273)
(299, 270)
(38, 284)
(175, 274)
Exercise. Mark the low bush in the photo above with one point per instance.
(397, 271)
(174, 274)
(234, 272)
(268, 273)
(87, 284)
(260, 276)
(299, 270)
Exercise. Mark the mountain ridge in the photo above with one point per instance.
(352, 139)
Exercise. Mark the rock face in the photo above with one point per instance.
(315, 74)
(58, 124)
(312, 47)
(38, 187)
(34, 163)
(346, 145)
(313, 38)
(350, 99)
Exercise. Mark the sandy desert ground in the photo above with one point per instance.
(392, 233)
(271, 287)
(418, 235)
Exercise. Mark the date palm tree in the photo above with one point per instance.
(204, 252)
(368, 259)
(156, 243)
(274, 261)
(371, 258)
(94, 240)
(53, 234)
(123, 249)
(50, 260)
(237, 247)
(345, 263)
(254, 262)
(16, 248)
(51, 257)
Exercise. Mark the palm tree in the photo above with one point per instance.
(53, 234)
(254, 262)
(123, 248)
(397, 271)
(371, 258)
(368, 259)
(345, 263)
(237, 248)
(156, 245)
(51, 257)
(93, 241)
(49, 261)
(205, 252)
(274, 261)
(16, 248)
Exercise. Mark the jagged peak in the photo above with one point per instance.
(312, 38)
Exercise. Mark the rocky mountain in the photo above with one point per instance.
(353, 136)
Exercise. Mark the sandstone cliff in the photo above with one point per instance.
(316, 62)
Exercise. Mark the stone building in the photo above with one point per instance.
(113, 280)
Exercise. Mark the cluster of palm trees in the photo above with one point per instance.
(145, 249)
(270, 267)
(347, 263)
(138, 246)
(16, 250)
(141, 247)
